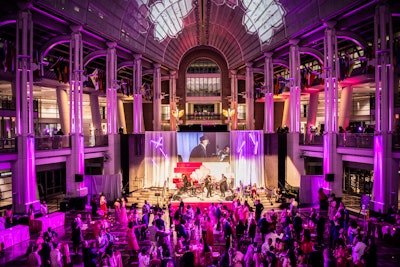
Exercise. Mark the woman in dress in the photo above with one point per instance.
(133, 246)
(103, 205)
(123, 215)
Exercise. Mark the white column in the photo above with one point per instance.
(24, 184)
(63, 109)
(76, 161)
(121, 115)
(137, 95)
(234, 99)
(157, 97)
(268, 94)
(332, 161)
(346, 99)
(249, 97)
(385, 187)
(295, 86)
(312, 112)
(111, 81)
(95, 110)
(172, 100)
(286, 113)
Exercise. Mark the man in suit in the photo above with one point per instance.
(199, 152)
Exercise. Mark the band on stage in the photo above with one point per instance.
(209, 185)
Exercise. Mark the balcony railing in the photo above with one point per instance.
(361, 140)
(8, 145)
(95, 140)
(204, 116)
(311, 139)
(52, 142)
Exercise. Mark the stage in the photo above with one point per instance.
(200, 200)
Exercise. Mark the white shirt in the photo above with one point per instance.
(358, 251)
(55, 258)
(144, 260)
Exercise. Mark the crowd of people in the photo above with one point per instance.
(242, 234)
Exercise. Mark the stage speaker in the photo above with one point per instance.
(329, 177)
(78, 178)
(64, 206)
(80, 203)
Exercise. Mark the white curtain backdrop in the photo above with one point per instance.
(109, 185)
(247, 154)
(160, 158)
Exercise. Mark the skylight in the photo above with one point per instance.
(167, 17)
(263, 16)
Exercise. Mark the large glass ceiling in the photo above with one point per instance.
(261, 16)
(168, 17)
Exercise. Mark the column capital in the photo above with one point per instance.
(75, 28)
(268, 54)
(111, 44)
(294, 41)
(233, 72)
(137, 56)
(249, 64)
(330, 24)
(156, 65)
(25, 5)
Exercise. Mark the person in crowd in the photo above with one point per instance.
(341, 254)
(56, 256)
(187, 259)
(143, 258)
(323, 200)
(31, 213)
(34, 259)
(123, 214)
(259, 207)
(50, 233)
(43, 208)
(103, 205)
(293, 207)
(358, 250)
(93, 205)
(228, 233)
(76, 232)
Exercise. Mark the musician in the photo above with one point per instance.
(192, 188)
(208, 185)
(185, 182)
(223, 186)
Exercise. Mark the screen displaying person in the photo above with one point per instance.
(199, 152)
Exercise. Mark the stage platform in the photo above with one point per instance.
(201, 201)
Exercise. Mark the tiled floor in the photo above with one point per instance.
(388, 252)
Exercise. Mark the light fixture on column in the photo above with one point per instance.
(177, 114)
(228, 113)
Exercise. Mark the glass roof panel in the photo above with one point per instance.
(167, 17)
